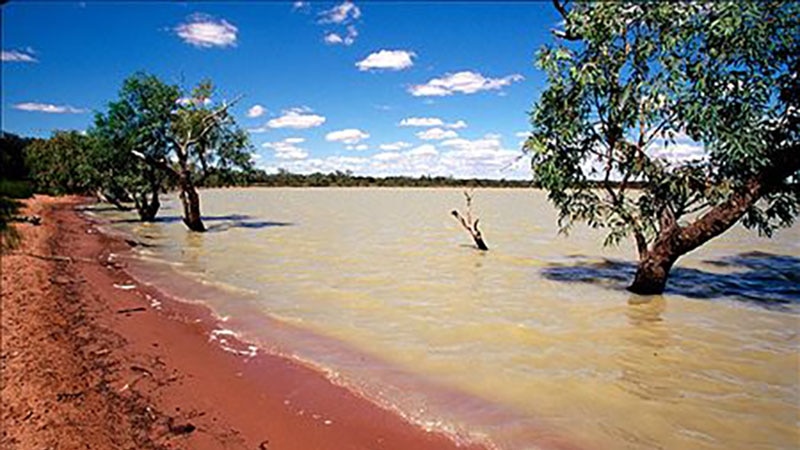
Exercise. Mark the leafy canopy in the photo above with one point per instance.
(627, 82)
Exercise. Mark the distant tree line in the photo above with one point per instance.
(348, 179)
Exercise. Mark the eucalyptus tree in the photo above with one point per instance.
(136, 123)
(154, 137)
(201, 136)
(62, 164)
(627, 82)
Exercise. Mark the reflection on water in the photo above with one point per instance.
(537, 334)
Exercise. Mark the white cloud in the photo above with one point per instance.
(341, 13)
(423, 151)
(387, 156)
(422, 122)
(465, 82)
(484, 154)
(347, 136)
(297, 118)
(681, 151)
(48, 108)
(358, 148)
(522, 134)
(287, 149)
(394, 146)
(436, 134)
(204, 31)
(256, 111)
(387, 60)
(333, 38)
(349, 38)
(18, 56)
(431, 122)
(302, 6)
(462, 158)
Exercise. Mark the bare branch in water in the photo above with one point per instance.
(470, 225)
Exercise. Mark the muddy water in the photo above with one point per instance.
(533, 338)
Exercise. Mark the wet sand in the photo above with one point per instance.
(87, 360)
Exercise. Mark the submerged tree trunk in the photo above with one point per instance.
(674, 240)
(191, 203)
(148, 209)
(653, 270)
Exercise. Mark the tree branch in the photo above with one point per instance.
(157, 163)
(562, 10)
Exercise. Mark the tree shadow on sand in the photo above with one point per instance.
(220, 223)
(769, 280)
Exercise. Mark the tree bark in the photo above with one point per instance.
(191, 203)
(654, 266)
(674, 241)
(149, 210)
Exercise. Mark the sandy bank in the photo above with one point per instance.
(88, 361)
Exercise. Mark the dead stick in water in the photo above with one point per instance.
(470, 225)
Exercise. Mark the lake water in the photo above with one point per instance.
(382, 289)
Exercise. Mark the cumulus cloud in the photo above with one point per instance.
(48, 108)
(485, 157)
(387, 60)
(341, 13)
(436, 134)
(387, 156)
(256, 111)
(287, 149)
(681, 150)
(466, 82)
(358, 148)
(423, 151)
(19, 56)
(204, 31)
(349, 38)
(347, 136)
(297, 118)
(394, 146)
(422, 122)
(430, 122)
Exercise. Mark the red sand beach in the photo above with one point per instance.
(78, 371)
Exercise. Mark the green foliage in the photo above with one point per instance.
(143, 135)
(63, 164)
(210, 133)
(627, 77)
(137, 121)
(14, 185)
(285, 178)
(12, 156)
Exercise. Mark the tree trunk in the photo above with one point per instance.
(148, 210)
(653, 271)
(191, 203)
(112, 199)
(675, 240)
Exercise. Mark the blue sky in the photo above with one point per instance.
(379, 88)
